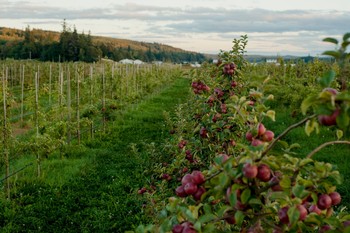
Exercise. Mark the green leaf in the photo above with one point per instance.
(245, 195)
(327, 78)
(271, 114)
(209, 228)
(255, 201)
(239, 217)
(293, 215)
(330, 40)
(343, 96)
(285, 182)
(303, 162)
(206, 218)
(310, 126)
(307, 103)
(299, 191)
(346, 36)
(340, 134)
(343, 120)
(279, 196)
(332, 53)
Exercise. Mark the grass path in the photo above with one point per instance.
(101, 197)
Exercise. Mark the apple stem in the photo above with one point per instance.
(285, 132)
(324, 145)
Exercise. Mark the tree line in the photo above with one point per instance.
(74, 46)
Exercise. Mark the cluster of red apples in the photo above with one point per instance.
(260, 136)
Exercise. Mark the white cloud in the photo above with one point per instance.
(204, 26)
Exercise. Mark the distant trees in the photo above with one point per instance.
(72, 46)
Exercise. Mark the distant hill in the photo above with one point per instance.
(108, 46)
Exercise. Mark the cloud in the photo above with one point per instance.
(194, 20)
(298, 30)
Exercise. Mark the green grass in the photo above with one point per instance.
(338, 155)
(94, 188)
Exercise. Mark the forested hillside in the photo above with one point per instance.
(69, 45)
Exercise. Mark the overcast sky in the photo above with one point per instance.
(290, 27)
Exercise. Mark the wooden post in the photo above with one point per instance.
(104, 97)
(5, 135)
(78, 112)
(50, 80)
(22, 93)
(37, 122)
(69, 117)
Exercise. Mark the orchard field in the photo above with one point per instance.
(228, 147)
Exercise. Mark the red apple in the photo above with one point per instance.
(324, 202)
(268, 136)
(261, 129)
(346, 223)
(302, 211)
(180, 191)
(283, 215)
(177, 228)
(200, 191)
(329, 120)
(230, 220)
(198, 177)
(264, 173)
(249, 170)
(203, 132)
(336, 198)
(142, 190)
(191, 188)
(187, 179)
(256, 142)
(249, 136)
(331, 90)
(315, 209)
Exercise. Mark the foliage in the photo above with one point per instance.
(233, 175)
(69, 45)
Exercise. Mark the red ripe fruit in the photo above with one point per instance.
(249, 136)
(230, 220)
(142, 190)
(346, 223)
(200, 191)
(264, 173)
(223, 108)
(324, 202)
(180, 191)
(230, 72)
(315, 209)
(191, 188)
(203, 132)
(166, 177)
(198, 177)
(249, 170)
(302, 211)
(177, 228)
(268, 136)
(234, 84)
(261, 129)
(325, 228)
(331, 90)
(283, 215)
(186, 179)
(329, 120)
(336, 198)
(256, 142)
(188, 228)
